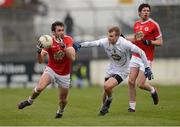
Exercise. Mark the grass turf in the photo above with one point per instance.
(83, 107)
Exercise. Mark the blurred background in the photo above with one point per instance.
(23, 21)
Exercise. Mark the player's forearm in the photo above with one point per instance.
(70, 53)
(40, 58)
(90, 44)
(158, 42)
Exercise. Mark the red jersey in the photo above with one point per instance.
(58, 61)
(151, 31)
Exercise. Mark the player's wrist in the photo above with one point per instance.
(38, 52)
(147, 42)
(38, 49)
(76, 46)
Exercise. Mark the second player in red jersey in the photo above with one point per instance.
(147, 35)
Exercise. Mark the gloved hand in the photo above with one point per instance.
(148, 73)
(147, 42)
(39, 47)
(76, 46)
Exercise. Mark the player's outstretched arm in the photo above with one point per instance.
(77, 46)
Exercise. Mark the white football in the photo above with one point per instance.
(46, 41)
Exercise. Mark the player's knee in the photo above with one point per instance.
(141, 85)
(107, 88)
(131, 82)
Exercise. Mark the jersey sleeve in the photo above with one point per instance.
(95, 43)
(134, 49)
(139, 51)
(157, 31)
(69, 42)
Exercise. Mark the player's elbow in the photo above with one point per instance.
(39, 59)
(70, 52)
(72, 57)
(160, 42)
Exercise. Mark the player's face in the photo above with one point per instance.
(112, 37)
(145, 13)
(59, 31)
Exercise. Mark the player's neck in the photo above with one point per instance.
(144, 20)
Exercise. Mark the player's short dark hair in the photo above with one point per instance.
(57, 23)
(141, 6)
(115, 29)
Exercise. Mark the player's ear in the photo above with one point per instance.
(53, 32)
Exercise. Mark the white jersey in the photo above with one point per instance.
(119, 55)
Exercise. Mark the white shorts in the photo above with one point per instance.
(121, 71)
(138, 63)
(61, 80)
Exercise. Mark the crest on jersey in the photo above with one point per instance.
(116, 57)
(59, 55)
(146, 29)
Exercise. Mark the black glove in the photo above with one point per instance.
(76, 46)
(39, 47)
(147, 42)
(148, 73)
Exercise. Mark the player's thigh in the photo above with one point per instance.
(110, 83)
(134, 71)
(44, 81)
(141, 79)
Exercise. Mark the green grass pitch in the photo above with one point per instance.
(83, 107)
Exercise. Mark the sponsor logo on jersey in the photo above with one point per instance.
(59, 55)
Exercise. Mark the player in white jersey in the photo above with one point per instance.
(119, 52)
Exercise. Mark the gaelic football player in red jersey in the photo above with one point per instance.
(147, 35)
(60, 57)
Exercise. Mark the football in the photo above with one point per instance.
(46, 41)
